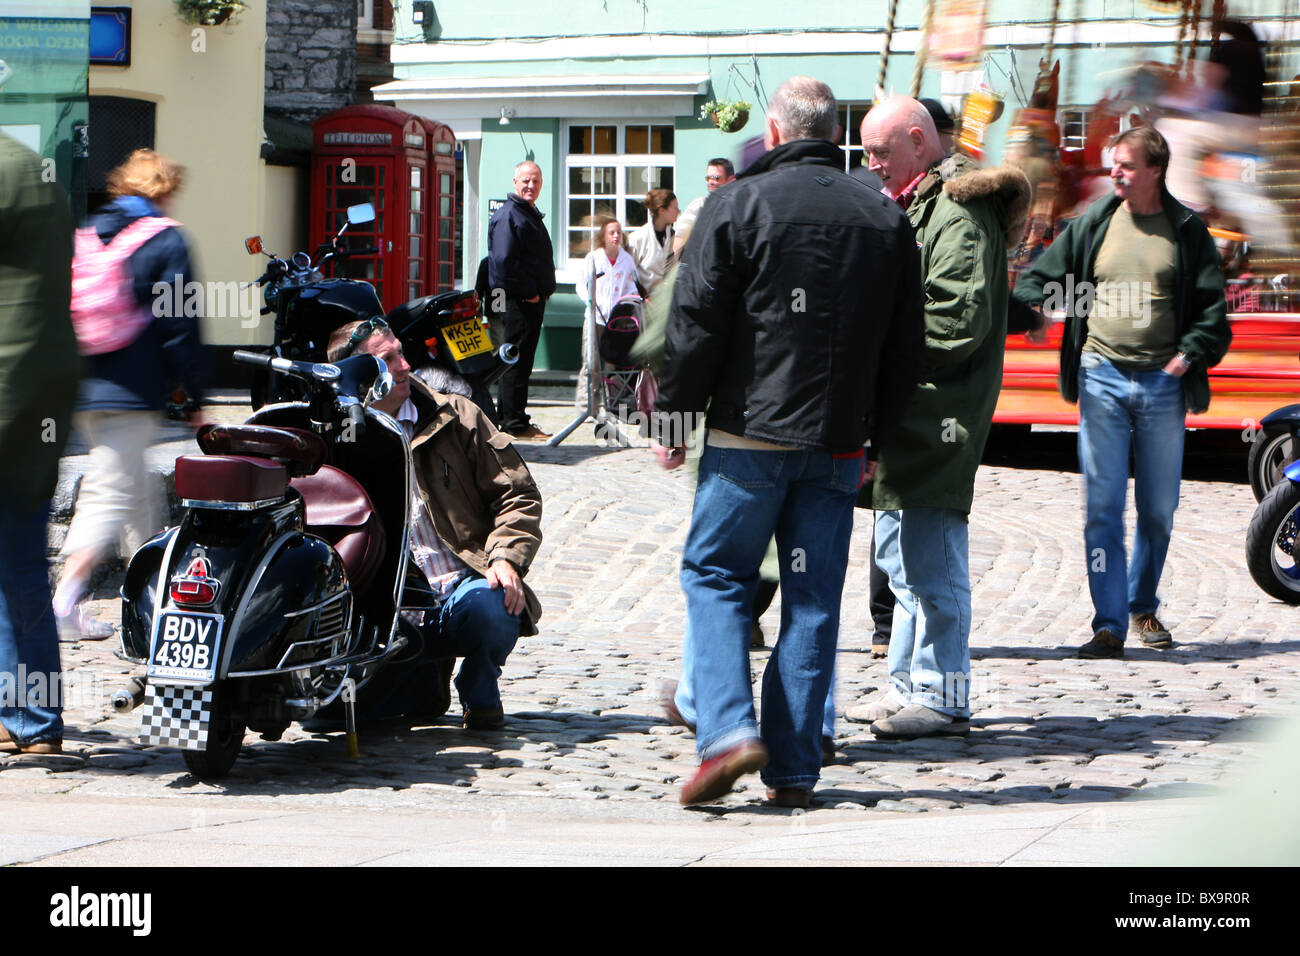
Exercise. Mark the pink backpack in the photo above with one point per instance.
(105, 313)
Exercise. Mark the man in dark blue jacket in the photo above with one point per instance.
(521, 266)
(796, 319)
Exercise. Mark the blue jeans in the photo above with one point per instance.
(1121, 410)
(685, 695)
(30, 680)
(471, 623)
(474, 624)
(925, 553)
(743, 497)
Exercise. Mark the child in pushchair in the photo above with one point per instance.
(619, 372)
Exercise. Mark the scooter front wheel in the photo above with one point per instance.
(1269, 454)
(1271, 543)
(225, 737)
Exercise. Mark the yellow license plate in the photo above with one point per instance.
(467, 339)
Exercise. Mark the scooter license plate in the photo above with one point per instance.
(467, 339)
(185, 647)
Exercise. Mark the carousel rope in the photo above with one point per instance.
(1051, 36)
(923, 49)
(1196, 30)
(1217, 17)
(1182, 35)
(889, 36)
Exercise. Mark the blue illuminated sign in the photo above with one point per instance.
(110, 36)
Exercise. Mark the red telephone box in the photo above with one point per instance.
(405, 166)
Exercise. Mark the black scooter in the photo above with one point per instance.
(281, 590)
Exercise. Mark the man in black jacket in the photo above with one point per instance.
(796, 320)
(521, 267)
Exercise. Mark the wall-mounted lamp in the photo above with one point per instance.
(507, 114)
(422, 12)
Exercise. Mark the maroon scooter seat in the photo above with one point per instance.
(339, 510)
(300, 451)
(229, 479)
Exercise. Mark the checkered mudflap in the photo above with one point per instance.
(174, 716)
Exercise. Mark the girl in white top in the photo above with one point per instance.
(652, 244)
(614, 269)
(615, 274)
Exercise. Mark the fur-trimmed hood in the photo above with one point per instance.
(1009, 187)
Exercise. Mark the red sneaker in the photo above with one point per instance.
(718, 775)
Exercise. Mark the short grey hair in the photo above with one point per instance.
(526, 162)
(804, 108)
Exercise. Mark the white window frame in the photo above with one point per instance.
(620, 160)
(1083, 113)
(848, 132)
(365, 14)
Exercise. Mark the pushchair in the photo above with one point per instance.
(618, 373)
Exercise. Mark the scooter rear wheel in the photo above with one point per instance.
(1271, 543)
(225, 737)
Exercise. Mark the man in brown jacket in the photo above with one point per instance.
(476, 524)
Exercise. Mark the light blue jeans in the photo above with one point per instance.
(925, 553)
(1121, 410)
(744, 496)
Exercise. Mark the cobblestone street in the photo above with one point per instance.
(584, 725)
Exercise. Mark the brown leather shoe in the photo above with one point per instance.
(532, 433)
(10, 745)
(718, 775)
(485, 718)
(793, 797)
(1104, 644)
(1150, 631)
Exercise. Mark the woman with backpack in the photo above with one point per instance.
(131, 277)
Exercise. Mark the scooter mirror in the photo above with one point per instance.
(253, 244)
(379, 391)
(365, 212)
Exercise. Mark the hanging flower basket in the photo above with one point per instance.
(728, 115)
(208, 13)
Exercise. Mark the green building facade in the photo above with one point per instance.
(45, 47)
(605, 95)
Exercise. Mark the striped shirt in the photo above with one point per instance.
(441, 567)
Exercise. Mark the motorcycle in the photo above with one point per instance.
(1273, 538)
(445, 340)
(281, 590)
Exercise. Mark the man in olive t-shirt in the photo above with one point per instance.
(1145, 321)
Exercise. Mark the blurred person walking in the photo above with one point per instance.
(134, 308)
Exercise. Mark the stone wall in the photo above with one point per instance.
(311, 56)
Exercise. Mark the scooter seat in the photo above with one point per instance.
(300, 451)
(339, 510)
(229, 479)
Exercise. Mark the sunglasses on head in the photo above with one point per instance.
(363, 331)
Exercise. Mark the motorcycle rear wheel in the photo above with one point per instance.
(225, 738)
(1271, 543)
(1269, 454)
